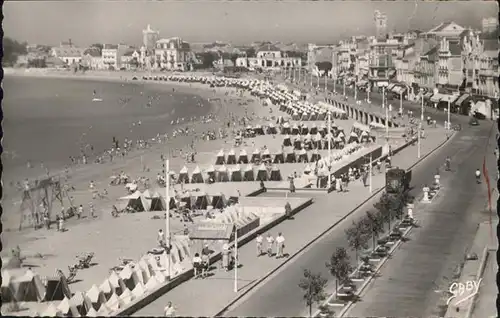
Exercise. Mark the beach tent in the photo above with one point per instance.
(77, 302)
(290, 156)
(220, 160)
(231, 157)
(218, 201)
(236, 175)
(315, 155)
(323, 130)
(211, 172)
(285, 129)
(95, 296)
(365, 137)
(314, 129)
(272, 129)
(304, 129)
(275, 174)
(262, 173)
(222, 174)
(243, 157)
(56, 288)
(248, 174)
(266, 155)
(183, 176)
(303, 156)
(258, 130)
(67, 309)
(295, 129)
(154, 201)
(297, 143)
(200, 200)
(295, 116)
(353, 137)
(135, 201)
(278, 157)
(341, 135)
(255, 156)
(197, 176)
(286, 141)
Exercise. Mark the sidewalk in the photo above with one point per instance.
(198, 297)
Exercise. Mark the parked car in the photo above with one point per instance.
(473, 122)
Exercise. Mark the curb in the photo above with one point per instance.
(292, 256)
(348, 306)
(480, 272)
(183, 277)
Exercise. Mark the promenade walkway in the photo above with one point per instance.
(206, 297)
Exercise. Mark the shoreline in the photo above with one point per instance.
(81, 174)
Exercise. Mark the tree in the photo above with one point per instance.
(98, 47)
(12, 50)
(357, 237)
(251, 52)
(313, 286)
(385, 207)
(339, 266)
(375, 225)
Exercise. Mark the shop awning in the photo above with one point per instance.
(446, 97)
(397, 89)
(461, 99)
(436, 98)
(391, 86)
(427, 95)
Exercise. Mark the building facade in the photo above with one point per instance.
(449, 67)
(449, 30)
(425, 72)
(68, 54)
(480, 65)
(172, 54)
(380, 25)
(382, 67)
(489, 25)
(149, 38)
(267, 57)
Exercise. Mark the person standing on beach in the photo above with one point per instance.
(79, 211)
(270, 243)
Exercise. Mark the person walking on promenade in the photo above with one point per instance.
(197, 264)
(161, 238)
(169, 310)
(270, 243)
(225, 257)
(288, 210)
(338, 184)
(79, 211)
(258, 241)
(280, 243)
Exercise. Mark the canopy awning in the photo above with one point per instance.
(211, 231)
(461, 99)
(436, 98)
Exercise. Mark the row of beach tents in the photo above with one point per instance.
(232, 174)
(131, 283)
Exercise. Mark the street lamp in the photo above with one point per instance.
(168, 236)
(401, 102)
(343, 81)
(449, 108)
(334, 83)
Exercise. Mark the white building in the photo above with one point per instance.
(112, 55)
(489, 25)
(130, 60)
(172, 54)
(449, 30)
(93, 60)
(269, 56)
(69, 55)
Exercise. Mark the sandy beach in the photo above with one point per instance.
(221, 104)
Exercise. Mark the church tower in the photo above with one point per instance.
(380, 25)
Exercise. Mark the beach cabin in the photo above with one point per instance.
(315, 155)
(290, 156)
(197, 176)
(243, 157)
(287, 142)
(210, 171)
(255, 156)
(183, 176)
(275, 174)
(262, 173)
(231, 157)
(222, 174)
(220, 159)
(236, 175)
(248, 174)
(266, 155)
(303, 156)
(279, 157)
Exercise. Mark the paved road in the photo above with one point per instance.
(280, 295)
(410, 282)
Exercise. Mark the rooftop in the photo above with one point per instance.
(269, 48)
(110, 47)
(68, 52)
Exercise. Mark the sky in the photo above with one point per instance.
(240, 22)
